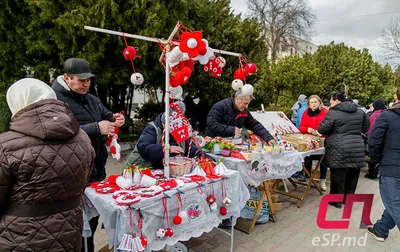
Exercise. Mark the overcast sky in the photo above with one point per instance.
(358, 23)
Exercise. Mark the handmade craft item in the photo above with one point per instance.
(113, 146)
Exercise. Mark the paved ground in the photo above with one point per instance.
(295, 229)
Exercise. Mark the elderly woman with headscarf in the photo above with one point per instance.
(45, 164)
(378, 106)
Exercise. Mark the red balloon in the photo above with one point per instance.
(239, 74)
(250, 68)
(169, 232)
(129, 53)
(177, 220)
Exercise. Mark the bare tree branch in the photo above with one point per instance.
(283, 20)
(391, 40)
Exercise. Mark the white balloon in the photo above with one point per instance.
(247, 89)
(137, 79)
(236, 84)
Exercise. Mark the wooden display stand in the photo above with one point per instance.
(247, 226)
(311, 183)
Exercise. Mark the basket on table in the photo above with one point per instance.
(179, 166)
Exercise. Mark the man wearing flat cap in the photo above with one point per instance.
(72, 88)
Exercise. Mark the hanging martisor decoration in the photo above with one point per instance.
(130, 53)
(225, 200)
(211, 200)
(112, 144)
(192, 44)
(245, 69)
(168, 232)
(180, 215)
(130, 242)
(179, 124)
(215, 66)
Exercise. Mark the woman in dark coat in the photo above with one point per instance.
(344, 145)
(45, 164)
(378, 106)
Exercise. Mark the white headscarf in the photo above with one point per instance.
(26, 92)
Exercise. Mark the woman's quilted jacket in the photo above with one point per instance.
(44, 159)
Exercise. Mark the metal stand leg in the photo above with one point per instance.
(232, 233)
(85, 244)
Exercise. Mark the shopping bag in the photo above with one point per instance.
(251, 207)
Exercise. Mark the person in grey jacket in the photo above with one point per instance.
(295, 108)
(344, 145)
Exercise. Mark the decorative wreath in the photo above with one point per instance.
(127, 199)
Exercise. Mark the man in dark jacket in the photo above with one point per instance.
(384, 149)
(149, 152)
(344, 145)
(226, 118)
(72, 88)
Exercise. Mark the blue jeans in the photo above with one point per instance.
(389, 188)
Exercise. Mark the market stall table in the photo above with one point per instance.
(278, 167)
(311, 183)
(117, 219)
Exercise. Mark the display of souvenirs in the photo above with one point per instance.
(219, 146)
(276, 122)
(304, 142)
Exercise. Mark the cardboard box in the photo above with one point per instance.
(278, 206)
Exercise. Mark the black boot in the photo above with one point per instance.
(369, 176)
(335, 204)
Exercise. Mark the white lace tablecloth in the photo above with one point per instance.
(116, 219)
(277, 167)
(320, 151)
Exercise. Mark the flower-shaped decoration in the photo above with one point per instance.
(192, 44)
(205, 55)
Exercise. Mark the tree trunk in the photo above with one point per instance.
(117, 98)
(276, 98)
